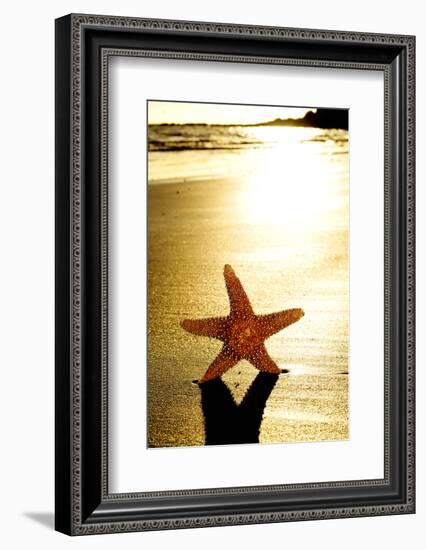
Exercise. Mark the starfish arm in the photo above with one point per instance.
(223, 362)
(261, 360)
(274, 322)
(214, 327)
(238, 299)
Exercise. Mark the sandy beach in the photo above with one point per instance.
(286, 256)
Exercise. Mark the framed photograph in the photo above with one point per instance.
(234, 274)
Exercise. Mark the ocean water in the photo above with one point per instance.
(273, 202)
(206, 151)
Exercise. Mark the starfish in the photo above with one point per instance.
(242, 332)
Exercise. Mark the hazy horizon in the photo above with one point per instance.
(181, 113)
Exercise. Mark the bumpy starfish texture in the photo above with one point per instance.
(242, 332)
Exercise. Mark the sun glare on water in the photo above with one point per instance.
(291, 182)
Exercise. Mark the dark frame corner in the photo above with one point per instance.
(83, 44)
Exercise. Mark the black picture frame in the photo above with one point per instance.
(83, 504)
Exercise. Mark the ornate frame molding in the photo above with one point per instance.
(73, 90)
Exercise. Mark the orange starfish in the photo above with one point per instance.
(242, 332)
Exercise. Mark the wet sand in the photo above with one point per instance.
(195, 227)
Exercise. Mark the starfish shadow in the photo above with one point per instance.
(228, 423)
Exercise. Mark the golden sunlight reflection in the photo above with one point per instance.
(283, 185)
(292, 185)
